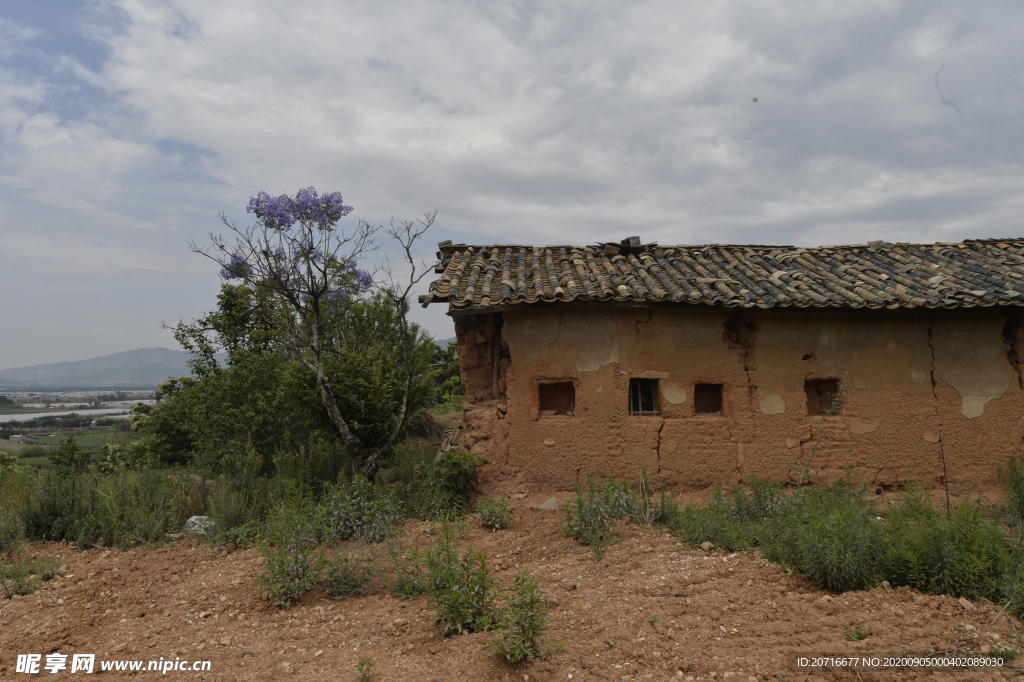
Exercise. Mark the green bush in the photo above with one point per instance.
(461, 587)
(591, 516)
(11, 533)
(523, 622)
(968, 558)
(290, 571)
(69, 456)
(291, 566)
(7, 460)
(839, 540)
(34, 451)
(409, 576)
(347, 575)
(121, 510)
(358, 510)
(1013, 481)
(494, 512)
(446, 482)
(16, 578)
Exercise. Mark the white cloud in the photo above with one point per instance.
(527, 121)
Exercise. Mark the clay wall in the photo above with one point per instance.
(907, 377)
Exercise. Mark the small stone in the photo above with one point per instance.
(226, 641)
(550, 504)
(886, 586)
(968, 606)
(706, 546)
(400, 622)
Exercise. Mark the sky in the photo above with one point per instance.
(127, 126)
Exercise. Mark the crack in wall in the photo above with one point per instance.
(657, 443)
(636, 328)
(1014, 349)
(931, 373)
(1014, 345)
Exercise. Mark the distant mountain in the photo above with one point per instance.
(441, 342)
(142, 367)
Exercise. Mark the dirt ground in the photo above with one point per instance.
(718, 616)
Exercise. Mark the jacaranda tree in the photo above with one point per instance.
(302, 264)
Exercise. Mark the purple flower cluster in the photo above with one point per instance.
(281, 212)
(363, 279)
(236, 269)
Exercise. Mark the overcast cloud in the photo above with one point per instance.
(127, 126)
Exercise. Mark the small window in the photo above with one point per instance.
(822, 396)
(707, 399)
(643, 396)
(558, 398)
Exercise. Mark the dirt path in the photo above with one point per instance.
(719, 616)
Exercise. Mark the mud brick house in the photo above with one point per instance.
(714, 363)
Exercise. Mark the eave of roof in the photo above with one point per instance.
(974, 273)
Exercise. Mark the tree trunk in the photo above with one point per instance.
(352, 444)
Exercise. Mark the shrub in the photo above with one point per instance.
(494, 512)
(523, 621)
(347, 576)
(290, 571)
(11, 531)
(69, 456)
(291, 567)
(461, 587)
(358, 510)
(590, 516)
(839, 543)
(968, 558)
(16, 578)
(1013, 481)
(123, 509)
(452, 476)
(409, 577)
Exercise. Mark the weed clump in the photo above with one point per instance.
(358, 510)
(443, 485)
(292, 567)
(494, 512)
(409, 577)
(590, 516)
(461, 587)
(522, 623)
(347, 576)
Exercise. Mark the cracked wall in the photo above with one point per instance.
(907, 378)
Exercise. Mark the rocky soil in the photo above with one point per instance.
(715, 616)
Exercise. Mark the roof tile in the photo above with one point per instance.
(977, 272)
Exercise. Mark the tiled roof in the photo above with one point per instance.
(976, 272)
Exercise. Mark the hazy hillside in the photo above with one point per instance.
(134, 367)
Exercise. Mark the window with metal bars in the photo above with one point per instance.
(643, 396)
